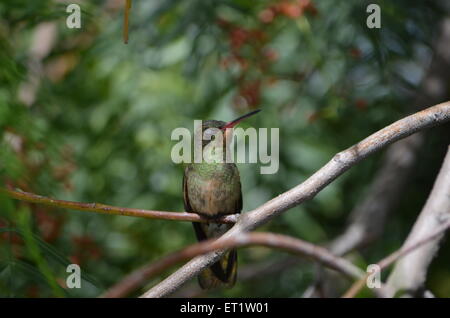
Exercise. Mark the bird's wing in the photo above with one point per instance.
(187, 205)
(239, 201)
(199, 232)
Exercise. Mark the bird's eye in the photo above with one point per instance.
(209, 134)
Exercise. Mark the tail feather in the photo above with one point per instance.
(221, 274)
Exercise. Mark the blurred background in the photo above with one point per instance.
(85, 117)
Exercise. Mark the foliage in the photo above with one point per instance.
(98, 128)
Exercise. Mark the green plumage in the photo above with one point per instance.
(213, 190)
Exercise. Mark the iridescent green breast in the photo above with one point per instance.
(213, 189)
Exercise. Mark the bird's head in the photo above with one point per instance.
(211, 127)
(217, 135)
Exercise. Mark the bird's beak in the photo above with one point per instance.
(233, 123)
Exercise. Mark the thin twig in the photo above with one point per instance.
(387, 261)
(287, 243)
(108, 209)
(126, 20)
(339, 164)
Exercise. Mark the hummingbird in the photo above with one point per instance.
(213, 189)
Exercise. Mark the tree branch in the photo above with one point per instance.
(108, 209)
(284, 242)
(410, 273)
(340, 163)
(387, 261)
(369, 216)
